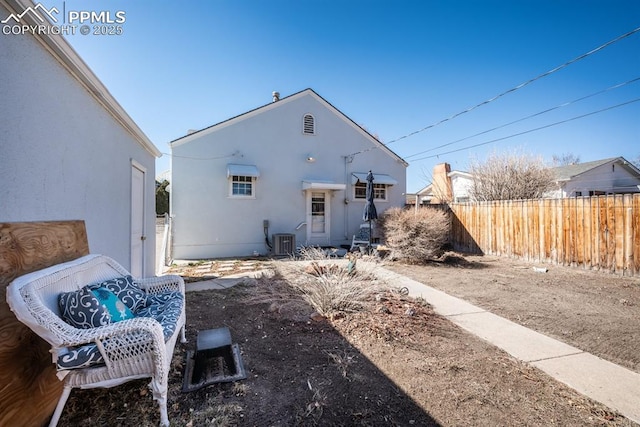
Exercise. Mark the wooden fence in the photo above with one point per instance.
(600, 233)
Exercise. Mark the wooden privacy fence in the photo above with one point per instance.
(601, 232)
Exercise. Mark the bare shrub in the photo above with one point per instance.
(565, 159)
(416, 236)
(326, 284)
(510, 176)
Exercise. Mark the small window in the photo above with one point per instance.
(242, 186)
(308, 125)
(379, 191)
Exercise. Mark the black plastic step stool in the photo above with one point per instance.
(215, 360)
(213, 343)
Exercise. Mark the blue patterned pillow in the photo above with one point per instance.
(126, 290)
(117, 309)
(166, 308)
(82, 309)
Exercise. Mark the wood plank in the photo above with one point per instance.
(588, 236)
(611, 234)
(500, 230)
(526, 227)
(628, 234)
(579, 233)
(595, 233)
(494, 223)
(560, 231)
(539, 230)
(553, 249)
(546, 230)
(534, 238)
(30, 389)
(618, 236)
(566, 233)
(604, 233)
(570, 231)
(636, 234)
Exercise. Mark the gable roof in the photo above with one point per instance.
(236, 119)
(568, 172)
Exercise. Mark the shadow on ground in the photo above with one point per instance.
(299, 372)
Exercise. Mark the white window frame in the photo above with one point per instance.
(304, 124)
(377, 187)
(233, 179)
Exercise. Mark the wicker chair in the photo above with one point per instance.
(138, 347)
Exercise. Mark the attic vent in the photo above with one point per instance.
(308, 125)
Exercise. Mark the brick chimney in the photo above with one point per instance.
(441, 184)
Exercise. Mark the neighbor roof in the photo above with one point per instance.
(568, 172)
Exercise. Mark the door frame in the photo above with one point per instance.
(137, 166)
(319, 238)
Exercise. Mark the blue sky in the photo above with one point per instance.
(394, 67)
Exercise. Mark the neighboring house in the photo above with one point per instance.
(446, 186)
(607, 176)
(68, 150)
(292, 169)
(615, 175)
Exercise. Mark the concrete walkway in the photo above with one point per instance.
(603, 381)
(225, 282)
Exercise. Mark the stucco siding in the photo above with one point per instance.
(209, 223)
(63, 156)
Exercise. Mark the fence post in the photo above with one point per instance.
(628, 236)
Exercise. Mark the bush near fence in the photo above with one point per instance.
(600, 232)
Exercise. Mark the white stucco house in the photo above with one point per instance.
(614, 175)
(68, 150)
(289, 173)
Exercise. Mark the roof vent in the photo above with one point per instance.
(190, 131)
(276, 96)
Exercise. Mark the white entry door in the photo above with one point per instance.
(138, 236)
(318, 218)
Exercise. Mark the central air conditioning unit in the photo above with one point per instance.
(284, 244)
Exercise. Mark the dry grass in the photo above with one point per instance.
(330, 286)
(342, 361)
(312, 412)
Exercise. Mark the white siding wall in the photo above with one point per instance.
(62, 156)
(461, 185)
(207, 223)
(603, 178)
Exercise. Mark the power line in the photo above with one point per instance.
(526, 118)
(530, 130)
(520, 86)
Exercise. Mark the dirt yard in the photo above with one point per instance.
(394, 362)
(596, 312)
